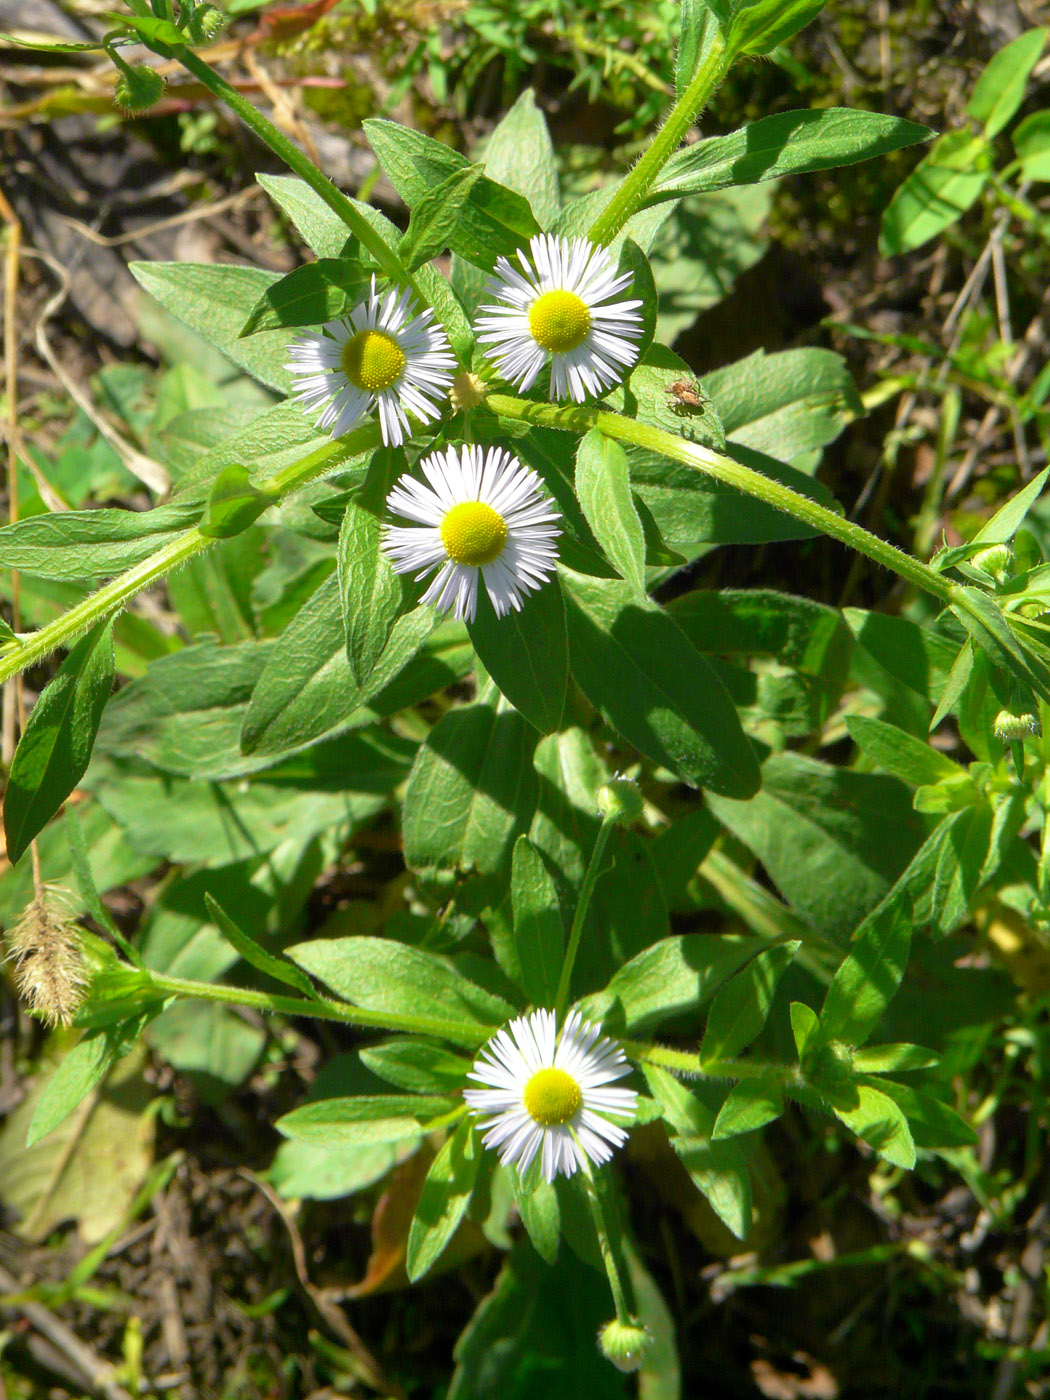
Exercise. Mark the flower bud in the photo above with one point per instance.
(995, 561)
(624, 1344)
(138, 88)
(619, 800)
(45, 946)
(207, 21)
(1010, 727)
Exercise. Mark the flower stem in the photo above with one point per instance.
(630, 196)
(590, 879)
(689, 1063)
(611, 1250)
(281, 146)
(731, 473)
(322, 1009)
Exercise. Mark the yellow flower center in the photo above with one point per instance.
(473, 533)
(373, 360)
(559, 321)
(552, 1096)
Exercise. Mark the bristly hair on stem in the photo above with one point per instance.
(46, 949)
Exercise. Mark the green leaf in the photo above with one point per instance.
(901, 754)
(787, 404)
(1009, 518)
(520, 155)
(155, 31)
(472, 788)
(1001, 87)
(381, 975)
(233, 504)
(432, 226)
(833, 841)
(309, 296)
(211, 299)
(698, 29)
(638, 669)
(718, 1169)
(868, 977)
(42, 46)
(526, 653)
(788, 143)
(919, 657)
(743, 1004)
(494, 220)
(673, 977)
(417, 1065)
(53, 753)
(983, 618)
(320, 226)
(760, 25)
(80, 1070)
(1031, 140)
(307, 688)
(364, 1120)
(541, 1216)
(539, 936)
(91, 545)
(933, 1124)
(881, 1123)
(750, 1105)
(443, 1201)
(603, 486)
(805, 1026)
(255, 955)
(372, 594)
(885, 1059)
(937, 192)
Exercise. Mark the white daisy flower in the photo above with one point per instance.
(481, 513)
(560, 304)
(547, 1093)
(380, 355)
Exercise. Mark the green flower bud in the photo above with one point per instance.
(206, 22)
(620, 801)
(1009, 727)
(995, 561)
(624, 1344)
(138, 88)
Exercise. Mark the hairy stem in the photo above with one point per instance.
(629, 198)
(731, 473)
(281, 146)
(323, 1009)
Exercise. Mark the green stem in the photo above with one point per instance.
(731, 473)
(281, 146)
(321, 1009)
(112, 596)
(612, 1254)
(689, 1063)
(630, 196)
(590, 879)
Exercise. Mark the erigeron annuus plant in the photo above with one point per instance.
(521, 417)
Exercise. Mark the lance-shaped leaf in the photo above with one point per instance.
(443, 1201)
(868, 977)
(53, 754)
(743, 1004)
(603, 485)
(539, 937)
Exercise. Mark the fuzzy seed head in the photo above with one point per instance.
(45, 948)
